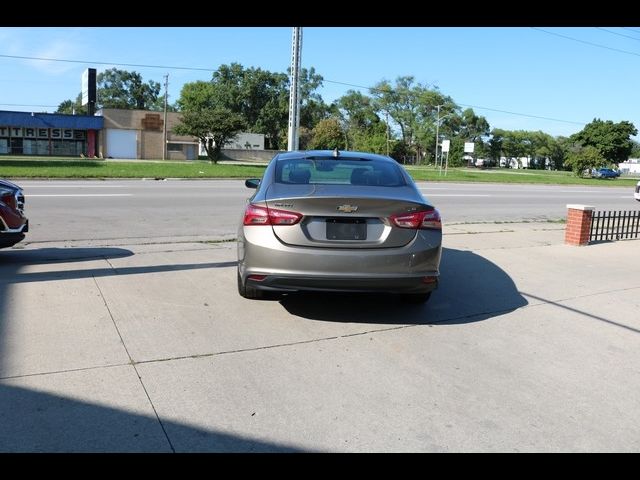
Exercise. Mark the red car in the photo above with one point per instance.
(13, 223)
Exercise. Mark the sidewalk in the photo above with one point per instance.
(527, 345)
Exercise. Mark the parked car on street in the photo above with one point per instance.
(338, 222)
(636, 194)
(605, 173)
(13, 223)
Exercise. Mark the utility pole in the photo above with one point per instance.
(164, 124)
(437, 133)
(294, 92)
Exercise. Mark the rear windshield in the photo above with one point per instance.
(330, 170)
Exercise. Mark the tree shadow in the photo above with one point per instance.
(471, 289)
(34, 421)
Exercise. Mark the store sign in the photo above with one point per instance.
(89, 86)
(53, 133)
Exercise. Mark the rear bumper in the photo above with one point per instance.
(295, 283)
(10, 239)
(290, 268)
(10, 235)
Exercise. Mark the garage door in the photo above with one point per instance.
(121, 143)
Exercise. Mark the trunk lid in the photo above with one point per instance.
(345, 216)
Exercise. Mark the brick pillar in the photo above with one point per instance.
(578, 224)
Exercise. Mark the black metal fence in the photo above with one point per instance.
(614, 225)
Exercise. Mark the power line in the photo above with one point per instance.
(618, 34)
(473, 106)
(586, 43)
(24, 105)
(522, 114)
(45, 59)
(371, 89)
(631, 29)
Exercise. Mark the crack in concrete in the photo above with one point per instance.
(133, 364)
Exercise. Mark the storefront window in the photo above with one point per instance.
(16, 146)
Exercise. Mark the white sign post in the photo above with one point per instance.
(445, 149)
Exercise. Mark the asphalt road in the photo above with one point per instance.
(185, 210)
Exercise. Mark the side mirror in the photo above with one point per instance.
(252, 183)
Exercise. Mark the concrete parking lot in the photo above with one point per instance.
(528, 345)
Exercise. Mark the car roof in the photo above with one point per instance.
(330, 153)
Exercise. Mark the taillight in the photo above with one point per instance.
(429, 219)
(255, 215)
(9, 199)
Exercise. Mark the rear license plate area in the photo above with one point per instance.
(346, 229)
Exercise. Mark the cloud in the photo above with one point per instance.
(56, 49)
(53, 43)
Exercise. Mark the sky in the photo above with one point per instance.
(553, 79)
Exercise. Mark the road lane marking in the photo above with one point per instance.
(83, 195)
(457, 195)
(69, 186)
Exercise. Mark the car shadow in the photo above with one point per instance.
(471, 289)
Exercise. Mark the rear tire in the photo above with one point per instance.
(416, 298)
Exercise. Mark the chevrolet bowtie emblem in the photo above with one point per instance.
(347, 208)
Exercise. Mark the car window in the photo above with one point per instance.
(371, 172)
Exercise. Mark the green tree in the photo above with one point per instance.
(635, 150)
(373, 139)
(199, 95)
(513, 144)
(560, 148)
(365, 131)
(123, 89)
(205, 115)
(357, 109)
(312, 106)
(467, 127)
(581, 159)
(120, 89)
(472, 127)
(494, 145)
(158, 105)
(327, 135)
(413, 108)
(213, 127)
(71, 107)
(613, 140)
(259, 96)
